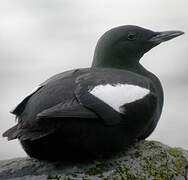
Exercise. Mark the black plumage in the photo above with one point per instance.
(65, 119)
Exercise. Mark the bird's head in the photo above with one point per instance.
(123, 46)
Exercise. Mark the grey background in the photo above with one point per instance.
(39, 38)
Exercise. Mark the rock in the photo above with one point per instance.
(144, 160)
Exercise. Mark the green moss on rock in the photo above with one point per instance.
(124, 173)
(141, 161)
(179, 161)
(99, 168)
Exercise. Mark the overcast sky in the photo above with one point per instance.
(39, 38)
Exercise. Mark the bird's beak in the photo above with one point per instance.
(165, 36)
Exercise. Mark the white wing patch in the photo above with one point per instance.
(119, 94)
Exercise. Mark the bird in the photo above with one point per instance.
(99, 110)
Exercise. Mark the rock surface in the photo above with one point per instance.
(144, 160)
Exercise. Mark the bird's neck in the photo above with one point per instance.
(133, 67)
(107, 58)
(139, 69)
(104, 60)
(116, 63)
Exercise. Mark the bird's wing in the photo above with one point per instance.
(110, 97)
(24, 134)
(44, 123)
(70, 109)
(98, 106)
(20, 107)
(65, 74)
(103, 110)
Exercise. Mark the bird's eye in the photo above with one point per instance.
(131, 36)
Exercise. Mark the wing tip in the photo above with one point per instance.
(13, 111)
(11, 133)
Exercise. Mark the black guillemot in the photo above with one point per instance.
(97, 110)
